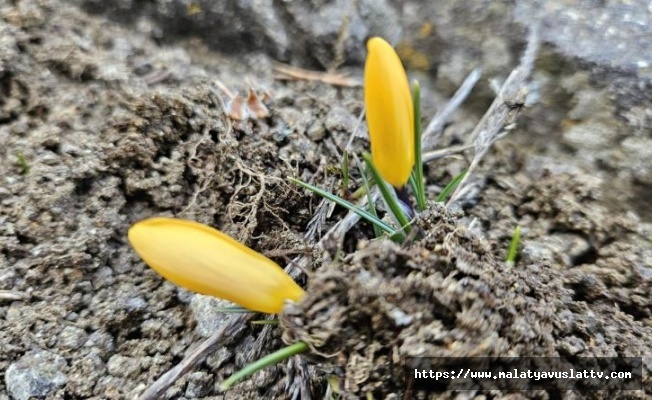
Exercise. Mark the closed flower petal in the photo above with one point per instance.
(205, 260)
(389, 112)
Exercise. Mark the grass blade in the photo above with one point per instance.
(23, 166)
(512, 252)
(265, 322)
(417, 173)
(233, 310)
(349, 206)
(261, 363)
(390, 200)
(370, 202)
(450, 187)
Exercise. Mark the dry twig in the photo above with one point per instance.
(436, 125)
(288, 72)
(231, 329)
(503, 111)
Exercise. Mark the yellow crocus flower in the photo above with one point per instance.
(390, 115)
(205, 260)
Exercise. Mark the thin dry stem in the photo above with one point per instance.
(231, 329)
(445, 152)
(289, 72)
(436, 125)
(503, 111)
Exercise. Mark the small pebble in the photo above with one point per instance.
(35, 374)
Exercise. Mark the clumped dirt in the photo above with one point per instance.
(451, 295)
(102, 126)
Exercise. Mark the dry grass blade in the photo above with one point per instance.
(289, 72)
(230, 330)
(503, 111)
(436, 125)
(445, 152)
(299, 386)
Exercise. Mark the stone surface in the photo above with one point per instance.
(614, 33)
(72, 337)
(330, 32)
(209, 318)
(199, 385)
(35, 374)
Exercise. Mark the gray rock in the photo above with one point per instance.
(296, 119)
(639, 152)
(35, 375)
(330, 32)
(316, 132)
(123, 366)
(340, 119)
(135, 304)
(564, 248)
(208, 318)
(199, 385)
(613, 33)
(72, 337)
(101, 342)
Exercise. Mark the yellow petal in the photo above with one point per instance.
(389, 112)
(205, 260)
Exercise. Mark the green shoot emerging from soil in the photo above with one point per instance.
(512, 252)
(23, 166)
(452, 185)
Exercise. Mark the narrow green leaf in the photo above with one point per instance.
(419, 185)
(361, 191)
(23, 166)
(450, 187)
(413, 183)
(349, 206)
(390, 200)
(265, 322)
(370, 203)
(512, 252)
(264, 362)
(234, 310)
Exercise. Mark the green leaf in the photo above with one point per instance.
(23, 166)
(418, 185)
(370, 203)
(390, 200)
(265, 322)
(234, 310)
(450, 187)
(349, 206)
(264, 362)
(512, 252)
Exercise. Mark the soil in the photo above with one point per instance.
(107, 118)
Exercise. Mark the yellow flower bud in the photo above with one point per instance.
(205, 260)
(390, 116)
